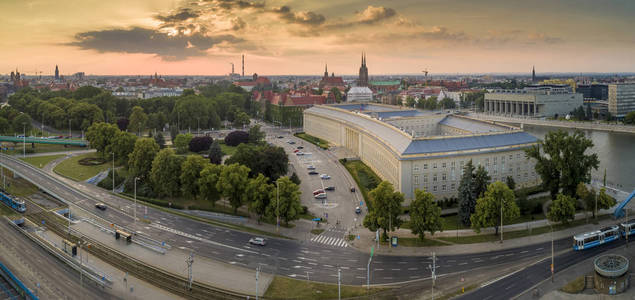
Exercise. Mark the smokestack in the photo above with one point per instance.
(243, 65)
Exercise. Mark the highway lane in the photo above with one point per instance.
(284, 257)
(34, 265)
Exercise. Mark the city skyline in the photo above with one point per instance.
(299, 37)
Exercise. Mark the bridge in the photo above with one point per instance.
(619, 210)
(36, 140)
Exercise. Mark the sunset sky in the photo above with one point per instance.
(202, 37)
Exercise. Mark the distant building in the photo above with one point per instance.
(363, 73)
(329, 82)
(57, 73)
(359, 94)
(385, 86)
(533, 74)
(256, 82)
(536, 101)
(621, 99)
(593, 91)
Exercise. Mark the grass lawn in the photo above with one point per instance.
(365, 178)
(287, 288)
(575, 286)
(41, 161)
(451, 222)
(416, 242)
(317, 231)
(482, 238)
(73, 170)
(7, 211)
(42, 148)
(19, 187)
(227, 150)
(313, 140)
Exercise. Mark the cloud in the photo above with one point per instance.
(542, 38)
(374, 14)
(181, 15)
(307, 18)
(150, 41)
(238, 24)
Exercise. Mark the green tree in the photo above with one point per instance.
(259, 193)
(21, 123)
(241, 120)
(410, 101)
(5, 128)
(295, 179)
(140, 160)
(122, 145)
(510, 182)
(174, 131)
(630, 118)
(384, 208)
(288, 196)
(481, 180)
(337, 95)
(562, 209)
(488, 207)
(564, 163)
(190, 174)
(467, 198)
(164, 175)
(138, 120)
(604, 200)
(182, 143)
(269, 160)
(159, 139)
(207, 183)
(100, 136)
(233, 183)
(586, 197)
(425, 214)
(256, 136)
(447, 103)
(215, 153)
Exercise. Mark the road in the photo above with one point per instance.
(34, 265)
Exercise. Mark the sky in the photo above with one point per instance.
(203, 37)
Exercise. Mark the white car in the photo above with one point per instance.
(299, 153)
(320, 196)
(310, 167)
(324, 176)
(257, 241)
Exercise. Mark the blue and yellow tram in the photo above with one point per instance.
(595, 238)
(628, 228)
(12, 201)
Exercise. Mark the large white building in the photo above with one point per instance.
(534, 101)
(621, 99)
(413, 149)
(359, 94)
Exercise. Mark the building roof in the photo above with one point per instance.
(469, 143)
(398, 113)
(471, 126)
(362, 107)
(360, 90)
(389, 82)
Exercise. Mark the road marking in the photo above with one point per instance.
(345, 268)
(524, 251)
(361, 269)
(379, 269)
(395, 269)
(412, 269)
(312, 263)
(463, 263)
(328, 266)
(510, 254)
(538, 249)
(181, 233)
(500, 278)
(360, 277)
(414, 277)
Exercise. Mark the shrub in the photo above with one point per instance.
(237, 137)
(200, 143)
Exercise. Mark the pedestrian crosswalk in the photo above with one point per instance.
(330, 238)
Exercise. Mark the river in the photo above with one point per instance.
(616, 152)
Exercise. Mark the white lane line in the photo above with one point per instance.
(522, 252)
(359, 277)
(379, 269)
(538, 249)
(409, 269)
(395, 269)
(177, 232)
(499, 278)
(344, 268)
(328, 266)
(510, 254)
(312, 263)
(361, 269)
(463, 263)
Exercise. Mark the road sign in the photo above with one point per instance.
(372, 250)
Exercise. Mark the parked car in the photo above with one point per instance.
(325, 176)
(313, 173)
(310, 167)
(280, 137)
(320, 196)
(300, 147)
(296, 151)
(358, 210)
(299, 153)
(101, 206)
(257, 241)
(291, 142)
(352, 189)
(330, 188)
(319, 191)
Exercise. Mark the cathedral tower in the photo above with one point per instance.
(363, 72)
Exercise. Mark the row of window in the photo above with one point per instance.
(453, 185)
(452, 164)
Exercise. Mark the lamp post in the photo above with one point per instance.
(501, 220)
(23, 139)
(70, 135)
(277, 206)
(552, 265)
(113, 172)
(135, 198)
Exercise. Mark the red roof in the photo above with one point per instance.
(306, 100)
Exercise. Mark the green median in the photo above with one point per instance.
(288, 288)
(41, 161)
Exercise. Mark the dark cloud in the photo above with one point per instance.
(231, 4)
(150, 41)
(178, 16)
(307, 18)
(371, 15)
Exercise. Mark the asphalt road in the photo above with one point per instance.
(284, 257)
(34, 265)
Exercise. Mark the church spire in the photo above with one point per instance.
(533, 74)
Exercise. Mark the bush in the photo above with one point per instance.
(106, 183)
(200, 143)
(91, 161)
(237, 137)
(305, 210)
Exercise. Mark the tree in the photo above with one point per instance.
(447, 103)
(159, 139)
(207, 182)
(467, 199)
(164, 175)
(182, 143)
(190, 174)
(586, 197)
(481, 180)
(629, 118)
(173, 132)
(269, 160)
(241, 120)
(123, 124)
(259, 194)
(233, 182)
(337, 95)
(215, 153)
(564, 163)
(4, 126)
(295, 179)
(236, 137)
(256, 136)
(200, 143)
(410, 101)
(141, 158)
(121, 145)
(100, 136)
(562, 209)
(384, 208)
(604, 200)
(425, 214)
(138, 120)
(288, 196)
(488, 207)
(21, 122)
(511, 184)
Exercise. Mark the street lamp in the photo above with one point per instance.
(552, 265)
(135, 198)
(277, 205)
(24, 140)
(501, 220)
(113, 172)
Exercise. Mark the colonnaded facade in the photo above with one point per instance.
(414, 149)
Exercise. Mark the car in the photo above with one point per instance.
(300, 147)
(291, 142)
(313, 173)
(318, 191)
(358, 210)
(280, 137)
(101, 206)
(329, 188)
(257, 241)
(352, 189)
(296, 151)
(320, 196)
(324, 176)
(299, 153)
(310, 167)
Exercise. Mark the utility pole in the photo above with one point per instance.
(433, 269)
(277, 206)
(501, 220)
(113, 172)
(135, 199)
(190, 262)
(257, 277)
(372, 250)
(339, 283)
